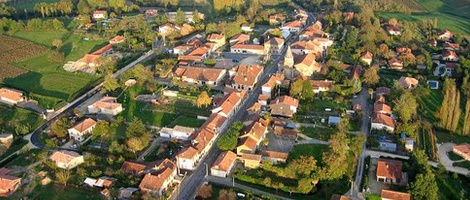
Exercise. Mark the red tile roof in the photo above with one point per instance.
(389, 194)
(64, 156)
(286, 100)
(133, 167)
(383, 108)
(116, 39)
(84, 125)
(224, 161)
(203, 73)
(11, 94)
(103, 50)
(463, 148)
(391, 169)
(274, 80)
(247, 75)
(383, 119)
(293, 24)
(247, 142)
(248, 46)
(249, 156)
(367, 55)
(316, 84)
(188, 153)
(7, 183)
(275, 154)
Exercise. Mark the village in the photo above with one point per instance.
(303, 105)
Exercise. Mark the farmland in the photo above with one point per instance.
(28, 5)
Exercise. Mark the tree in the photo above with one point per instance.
(393, 21)
(307, 90)
(136, 128)
(466, 122)
(57, 43)
(303, 166)
(62, 177)
(101, 128)
(425, 186)
(229, 141)
(135, 144)
(227, 195)
(203, 100)
(371, 76)
(449, 113)
(179, 19)
(335, 158)
(59, 128)
(205, 191)
(110, 84)
(212, 28)
(196, 17)
(406, 106)
(296, 87)
(356, 143)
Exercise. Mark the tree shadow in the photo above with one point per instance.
(31, 82)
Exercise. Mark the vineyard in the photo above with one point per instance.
(14, 50)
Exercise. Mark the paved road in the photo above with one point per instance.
(34, 136)
(442, 150)
(228, 183)
(378, 154)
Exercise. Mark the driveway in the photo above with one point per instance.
(443, 150)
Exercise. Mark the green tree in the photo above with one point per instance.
(371, 76)
(135, 144)
(229, 141)
(406, 106)
(449, 113)
(466, 122)
(357, 143)
(425, 186)
(196, 18)
(136, 128)
(179, 17)
(307, 90)
(335, 158)
(296, 87)
(62, 177)
(59, 128)
(101, 128)
(203, 99)
(110, 84)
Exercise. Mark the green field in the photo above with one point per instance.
(308, 150)
(183, 120)
(463, 164)
(16, 115)
(59, 192)
(321, 133)
(28, 4)
(451, 188)
(454, 7)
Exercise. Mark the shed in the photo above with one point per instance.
(334, 120)
(388, 146)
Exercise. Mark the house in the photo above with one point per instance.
(107, 106)
(88, 64)
(382, 121)
(355, 72)
(157, 184)
(432, 42)
(409, 144)
(380, 91)
(251, 161)
(394, 195)
(408, 82)
(293, 26)
(389, 171)
(451, 46)
(202, 76)
(246, 145)
(168, 28)
(79, 131)
(388, 146)
(9, 184)
(178, 132)
(248, 49)
(117, 39)
(256, 130)
(366, 57)
(6, 138)
(382, 108)
(100, 14)
(188, 16)
(224, 164)
(463, 150)
(217, 38)
(285, 106)
(347, 16)
(197, 55)
(307, 65)
(274, 45)
(318, 46)
(321, 85)
(450, 55)
(275, 157)
(151, 13)
(246, 28)
(229, 105)
(393, 30)
(188, 158)
(445, 35)
(66, 159)
(274, 80)
(395, 63)
(246, 77)
(239, 39)
(102, 182)
(133, 167)
(218, 120)
(11, 96)
(104, 51)
(276, 19)
(403, 50)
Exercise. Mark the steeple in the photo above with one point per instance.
(288, 58)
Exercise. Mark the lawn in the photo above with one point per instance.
(453, 156)
(321, 133)
(308, 150)
(463, 164)
(454, 7)
(28, 4)
(17, 145)
(445, 21)
(429, 104)
(450, 188)
(155, 118)
(19, 116)
(183, 120)
(447, 137)
(58, 192)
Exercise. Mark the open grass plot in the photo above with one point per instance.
(59, 192)
(18, 116)
(454, 7)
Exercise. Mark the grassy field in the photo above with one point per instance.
(58, 192)
(447, 137)
(445, 21)
(454, 157)
(308, 150)
(450, 188)
(28, 4)
(183, 120)
(464, 164)
(20, 116)
(321, 133)
(454, 7)
(429, 104)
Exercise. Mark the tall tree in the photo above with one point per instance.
(335, 158)
(110, 84)
(406, 106)
(296, 87)
(466, 122)
(307, 90)
(456, 111)
(203, 100)
(425, 186)
(196, 17)
(179, 17)
(371, 76)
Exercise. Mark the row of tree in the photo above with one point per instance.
(63, 7)
(229, 141)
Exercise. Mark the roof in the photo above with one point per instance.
(99, 12)
(117, 39)
(293, 24)
(308, 60)
(408, 81)
(7, 182)
(321, 84)
(274, 80)
(389, 194)
(215, 36)
(382, 90)
(11, 94)
(381, 107)
(256, 130)
(224, 161)
(275, 154)
(444, 32)
(393, 28)
(187, 153)
(383, 119)
(64, 156)
(155, 182)
(89, 58)
(240, 38)
(249, 156)
(389, 168)
(247, 75)
(448, 53)
(103, 50)
(84, 125)
(184, 129)
(463, 148)
(275, 41)
(367, 55)
(395, 61)
(107, 103)
(230, 100)
(248, 142)
(286, 100)
(248, 46)
(203, 74)
(133, 167)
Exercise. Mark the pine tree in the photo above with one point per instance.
(466, 123)
(444, 112)
(456, 111)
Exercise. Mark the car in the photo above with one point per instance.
(74, 146)
(241, 195)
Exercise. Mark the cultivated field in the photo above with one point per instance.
(453, 7)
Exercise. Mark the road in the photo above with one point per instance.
(34, 136)
(228, 183)
(192, 182)
(364, 96)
